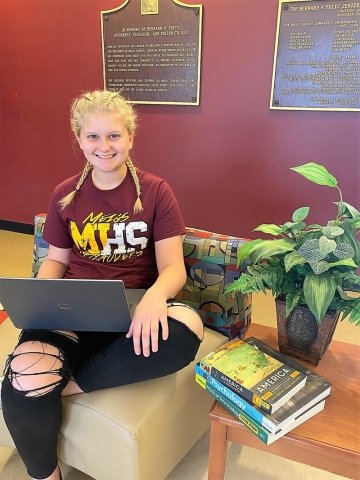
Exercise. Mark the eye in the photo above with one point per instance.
(114, 136)
(92, 136)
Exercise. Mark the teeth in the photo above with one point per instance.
(106, 156)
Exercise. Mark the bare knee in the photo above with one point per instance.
(189, 317)
(35, 368)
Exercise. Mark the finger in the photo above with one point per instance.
(155, 336)
(165, 327)
(136, 334)
(130, 331)
(145, 340)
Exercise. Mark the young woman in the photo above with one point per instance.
(111, 221)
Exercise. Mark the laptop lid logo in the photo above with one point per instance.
(64, 307)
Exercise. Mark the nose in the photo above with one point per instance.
(104, 145)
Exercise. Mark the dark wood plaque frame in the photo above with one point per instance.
(317, 56)
(152, 51)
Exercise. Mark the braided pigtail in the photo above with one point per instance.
(132, 169)
(69, 198)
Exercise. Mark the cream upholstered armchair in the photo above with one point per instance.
(141, 431)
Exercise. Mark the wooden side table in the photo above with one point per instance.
(330, 440)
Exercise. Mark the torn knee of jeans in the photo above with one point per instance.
(31, 378)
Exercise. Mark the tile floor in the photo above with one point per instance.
(244, 462)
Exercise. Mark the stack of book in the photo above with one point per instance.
(264, 389)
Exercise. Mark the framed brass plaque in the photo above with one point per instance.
(152, 51)
(317, 56)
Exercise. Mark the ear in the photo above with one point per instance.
(131, 140)
(79, 141)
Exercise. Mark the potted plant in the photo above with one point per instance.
(311, 271)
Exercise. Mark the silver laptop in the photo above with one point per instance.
(69, 304)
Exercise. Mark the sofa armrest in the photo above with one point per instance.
(211, 264)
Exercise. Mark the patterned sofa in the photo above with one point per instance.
(141, 431)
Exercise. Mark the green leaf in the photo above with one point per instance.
(349, 237)
(259, 283)
(332, 231)
(352, 311)
(350, 281)
(292, 299)
(268, 248)
(291, 259)
(269, 228)
(320, 267)
(355, 315)
(355, 224)
(348, 262)
(316, 173)
(278, 277)
(315, 226)
(262, 272)
(347, 311)
(300, 214)
(352, 210)
(344, 250)
(341, 208)
(319, 290)
(343, 294)
(311, 250)
(246, 249)
(237, 285)
(326, 245)
(299, 226)
(293, 226)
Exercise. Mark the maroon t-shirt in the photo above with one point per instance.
(107, 239)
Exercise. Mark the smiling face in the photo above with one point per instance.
(106, 142)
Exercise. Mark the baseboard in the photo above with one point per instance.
(17, 227)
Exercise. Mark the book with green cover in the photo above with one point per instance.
(253, 374)
(255, 427)
(316, 389)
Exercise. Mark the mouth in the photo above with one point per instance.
(105, 157)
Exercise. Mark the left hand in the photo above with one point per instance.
(149, 314)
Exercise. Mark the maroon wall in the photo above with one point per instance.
(228, 159)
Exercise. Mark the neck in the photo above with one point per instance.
(108, 180)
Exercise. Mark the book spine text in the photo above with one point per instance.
(237, 400)
(243, 417)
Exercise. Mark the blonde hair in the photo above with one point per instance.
(94, 102)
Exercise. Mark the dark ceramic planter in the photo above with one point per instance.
(301, 336)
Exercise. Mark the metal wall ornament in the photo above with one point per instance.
(152, 51)
(149, 7)
(317, 56)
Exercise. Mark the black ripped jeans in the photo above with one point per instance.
(95, 361)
